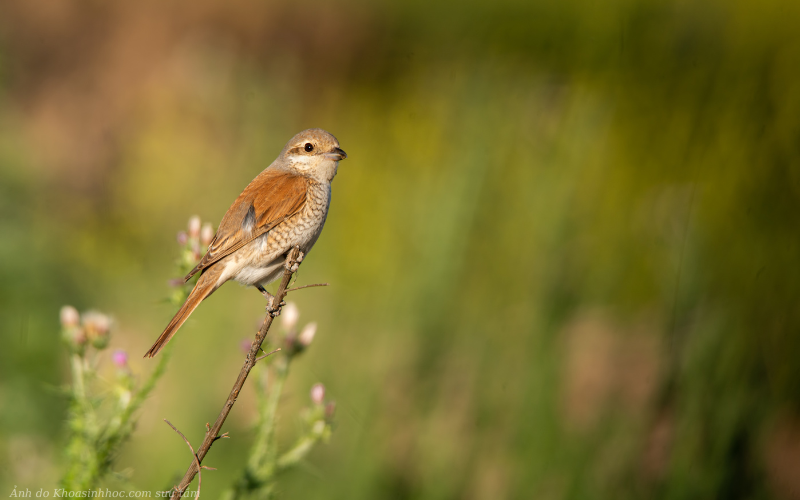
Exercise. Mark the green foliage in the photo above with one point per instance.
(101, 413)
(101, 420)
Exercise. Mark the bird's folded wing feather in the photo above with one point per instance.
(268, 200)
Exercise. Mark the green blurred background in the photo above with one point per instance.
(563, 250)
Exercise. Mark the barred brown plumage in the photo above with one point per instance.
(286, 205)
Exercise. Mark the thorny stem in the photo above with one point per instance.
(262, 462)
(77, 375)
(266, 420)
(250, 361)
(82, 471)
(122, 426)
(300, 449)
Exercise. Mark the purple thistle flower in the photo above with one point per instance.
(120, 358)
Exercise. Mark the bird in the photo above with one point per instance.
(286, 205)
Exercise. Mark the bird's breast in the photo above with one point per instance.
(304, 227)
(261, 261)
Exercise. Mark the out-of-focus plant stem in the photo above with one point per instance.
(83, 466)
(259, 479)
(303, 446)
(262, 462)
(122, 425)
(92, 445)
(261, 468)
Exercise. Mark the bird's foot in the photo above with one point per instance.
(293, 266)
(273, 311)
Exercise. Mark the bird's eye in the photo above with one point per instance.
(309, 147)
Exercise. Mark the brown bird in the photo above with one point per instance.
(284, 206)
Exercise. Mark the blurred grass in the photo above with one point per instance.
(562, 250)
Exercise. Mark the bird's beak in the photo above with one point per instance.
(337, 154)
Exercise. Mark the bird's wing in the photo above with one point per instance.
(272, 197)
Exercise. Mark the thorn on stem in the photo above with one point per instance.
(306, 286)
(267, 354)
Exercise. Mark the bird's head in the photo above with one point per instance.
(314, 153)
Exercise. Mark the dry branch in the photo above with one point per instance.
(250, 361)
(197, 462)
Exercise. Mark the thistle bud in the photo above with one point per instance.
(317, 394)
(69, 317)
(291, 345)
(194, 227)
(307, 334)
(289, 316)
(75, 337)
(97, 326)
(206, 234)
(182, 238)
(330, 410)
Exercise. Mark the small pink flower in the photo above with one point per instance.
(182, 238)
(120, 358)
(317, 394)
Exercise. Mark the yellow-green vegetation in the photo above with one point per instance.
(563, 250)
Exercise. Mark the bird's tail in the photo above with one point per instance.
(205, 286)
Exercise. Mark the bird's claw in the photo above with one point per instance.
(271, 308)
(293, 266)
(274, 311)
